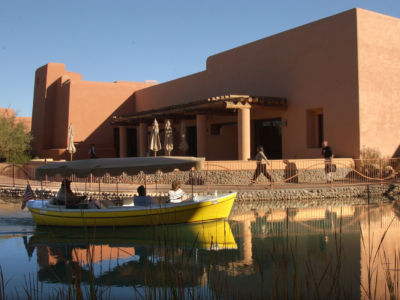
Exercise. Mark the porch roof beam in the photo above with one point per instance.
(221, 105)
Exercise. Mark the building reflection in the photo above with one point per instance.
(318, 235)
(256, 248)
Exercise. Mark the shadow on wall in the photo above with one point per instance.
(396, 153)
(106, 136)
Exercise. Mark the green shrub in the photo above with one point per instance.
(14, 139)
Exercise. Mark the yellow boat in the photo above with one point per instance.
(201, 209)
(205, 208)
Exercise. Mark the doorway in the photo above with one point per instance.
(268, 133)
(191, 137)
(131, 142)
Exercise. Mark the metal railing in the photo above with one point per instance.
(283, 173)
(309, 171)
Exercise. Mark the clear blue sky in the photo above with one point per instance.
(133, 40)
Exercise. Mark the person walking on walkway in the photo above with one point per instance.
(328, 156)
(262, 162)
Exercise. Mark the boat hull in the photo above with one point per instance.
(211, 208)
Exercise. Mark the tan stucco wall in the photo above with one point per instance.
(186, 89)
(100, 101)
(43, 79)
(313, 66)
(62, 97)
(379, 73)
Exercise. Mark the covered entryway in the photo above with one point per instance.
(213, 111)
(268, 133)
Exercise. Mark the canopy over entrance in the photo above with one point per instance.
(221, 105)
(117, 166)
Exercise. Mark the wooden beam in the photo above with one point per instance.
(221, 105)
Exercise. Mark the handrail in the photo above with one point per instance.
(311, 171)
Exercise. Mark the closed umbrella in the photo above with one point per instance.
(168, 138)
(71, 147)
(155, 144)
(183, 145)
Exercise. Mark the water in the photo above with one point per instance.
(335, 251)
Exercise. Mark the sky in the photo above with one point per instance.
(131, 40)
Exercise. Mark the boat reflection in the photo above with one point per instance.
(122, 256)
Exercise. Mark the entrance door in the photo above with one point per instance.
(131, 142)
(268, 133)
(191, 137)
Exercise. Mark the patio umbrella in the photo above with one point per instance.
(168, 138)
(183, 145)
(71, 147)
(155, 144)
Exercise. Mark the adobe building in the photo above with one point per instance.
(336, 79)
(62, 98)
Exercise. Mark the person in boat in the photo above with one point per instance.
(93, 203)
(142, 199)
(66, 197)
(176, 194)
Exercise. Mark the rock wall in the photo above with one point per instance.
(306, 197)
(236, 177)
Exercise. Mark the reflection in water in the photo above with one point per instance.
(322, 251)
(288, 251)
(122, 256)
(310, 253)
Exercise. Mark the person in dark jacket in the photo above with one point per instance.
(328, 156)
(92, 151)
(142, 199)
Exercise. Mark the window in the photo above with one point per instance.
(315, 127)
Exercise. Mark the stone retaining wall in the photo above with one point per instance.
(362, 191)
(284, 196)
(234, 177)
(241, 206)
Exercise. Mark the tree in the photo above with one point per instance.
(14, 139)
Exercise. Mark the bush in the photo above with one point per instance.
(370, 153)
(14, 139)
(374, 165)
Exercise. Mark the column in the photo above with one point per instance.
(142, 140)
(247, 242)
(122, 141)
(201, 131)
(244, 132)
